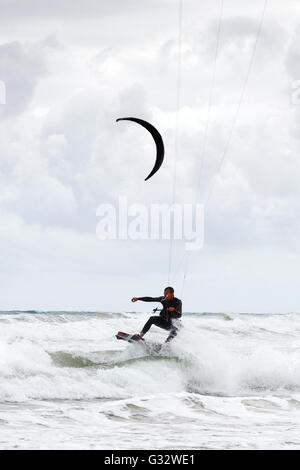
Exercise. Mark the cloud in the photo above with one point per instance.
(292, 60)
(20, 69)
(63, 154)
(70, 8)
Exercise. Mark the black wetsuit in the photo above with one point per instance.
(164, 320)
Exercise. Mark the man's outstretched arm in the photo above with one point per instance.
(148, 299)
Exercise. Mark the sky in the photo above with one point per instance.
(221, 82)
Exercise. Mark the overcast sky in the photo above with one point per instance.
(71, 68)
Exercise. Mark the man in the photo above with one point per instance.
(172, 309)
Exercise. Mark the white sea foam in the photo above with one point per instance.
(222, 382)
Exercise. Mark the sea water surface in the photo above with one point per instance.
(227, 381)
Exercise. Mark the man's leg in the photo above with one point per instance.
(155, 320)
(173, 332)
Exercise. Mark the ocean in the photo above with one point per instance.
(227, 381)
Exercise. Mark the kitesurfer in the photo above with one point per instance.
(169, 315)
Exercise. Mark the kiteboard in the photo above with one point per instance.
(129, 337)
(151, 348)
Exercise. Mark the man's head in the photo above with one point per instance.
(169, 293)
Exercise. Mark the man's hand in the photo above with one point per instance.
(171, 309)
(134, 299)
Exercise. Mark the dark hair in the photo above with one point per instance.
(170, 289)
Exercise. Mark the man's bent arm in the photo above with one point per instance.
(178, 311)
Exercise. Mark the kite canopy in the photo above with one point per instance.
(160, 150)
